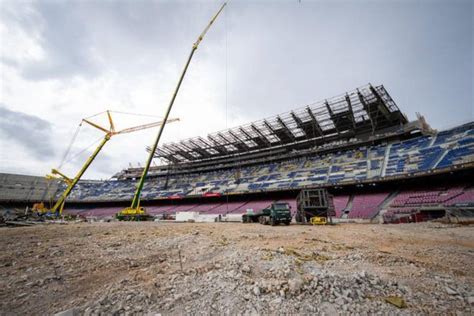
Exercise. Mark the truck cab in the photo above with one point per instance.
(276, 213)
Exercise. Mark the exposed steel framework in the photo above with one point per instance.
(365, 110)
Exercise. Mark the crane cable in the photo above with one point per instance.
(136, 114)
(82, 151)
(68, 150)
(65, 159)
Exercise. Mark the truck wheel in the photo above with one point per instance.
(287, 223)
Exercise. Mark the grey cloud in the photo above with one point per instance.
(62, 36)
(281, 54)
(29, 131)
(78, 37)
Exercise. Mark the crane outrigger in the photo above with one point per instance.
(58, 207)
(135, 211)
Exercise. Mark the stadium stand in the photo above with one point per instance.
(352, 166)
(355, 139)
(366, 205)
(361, 164)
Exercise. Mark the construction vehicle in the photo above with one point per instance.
(57, 209)
(38, 208)
(135, 211)
(274, 214)
(318, 220)
(314, 206)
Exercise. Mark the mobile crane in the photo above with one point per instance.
(58, 207)
(135, 211)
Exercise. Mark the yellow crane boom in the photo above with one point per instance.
(57, 209)
(134, 212)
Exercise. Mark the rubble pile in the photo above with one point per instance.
(143, 268)
(18, 217)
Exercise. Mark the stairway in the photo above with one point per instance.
(348, 207)
(384, 205)
(385, 160)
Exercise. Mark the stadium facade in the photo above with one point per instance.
(358, 145)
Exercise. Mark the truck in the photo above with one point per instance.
(276, 213)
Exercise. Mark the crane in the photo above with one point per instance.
(135, 212)
(57, 209)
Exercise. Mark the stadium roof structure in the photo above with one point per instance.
(366, 110)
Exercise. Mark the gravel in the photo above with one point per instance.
(141, 268)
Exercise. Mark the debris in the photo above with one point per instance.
(136, 270)
(245, 268)
(256, 290)
(69, 312)
(451, 291)
(295, 285)
(19, 223)
(396, 300)
(305, 257)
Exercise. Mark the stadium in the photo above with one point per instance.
(359, 146)
(346, 205)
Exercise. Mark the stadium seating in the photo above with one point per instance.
(422, 153)
(340, 203)
(463, 199)
(411, 202)
(426, 198)
(366, 205)
(357, 206)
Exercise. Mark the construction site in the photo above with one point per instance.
(224, 268)
(345, 205)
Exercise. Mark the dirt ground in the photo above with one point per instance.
(228, 268)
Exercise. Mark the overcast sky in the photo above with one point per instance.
(62, 61)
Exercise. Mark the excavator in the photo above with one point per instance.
(135, 211)
(57, 209)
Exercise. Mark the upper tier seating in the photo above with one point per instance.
(422, 153)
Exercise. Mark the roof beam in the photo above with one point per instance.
(265, 140)
(186, 146)
(199, 149)
(351, 112)
(183, 152)
(367, 110)
(287, 130)
(218, 146)
(246, 134)
(172, 159)
(159, 152)
(331, 114)
(225, 139)
(202, 140)
(381, 104)
(315, 121)
(301, 125)
(241, 142)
